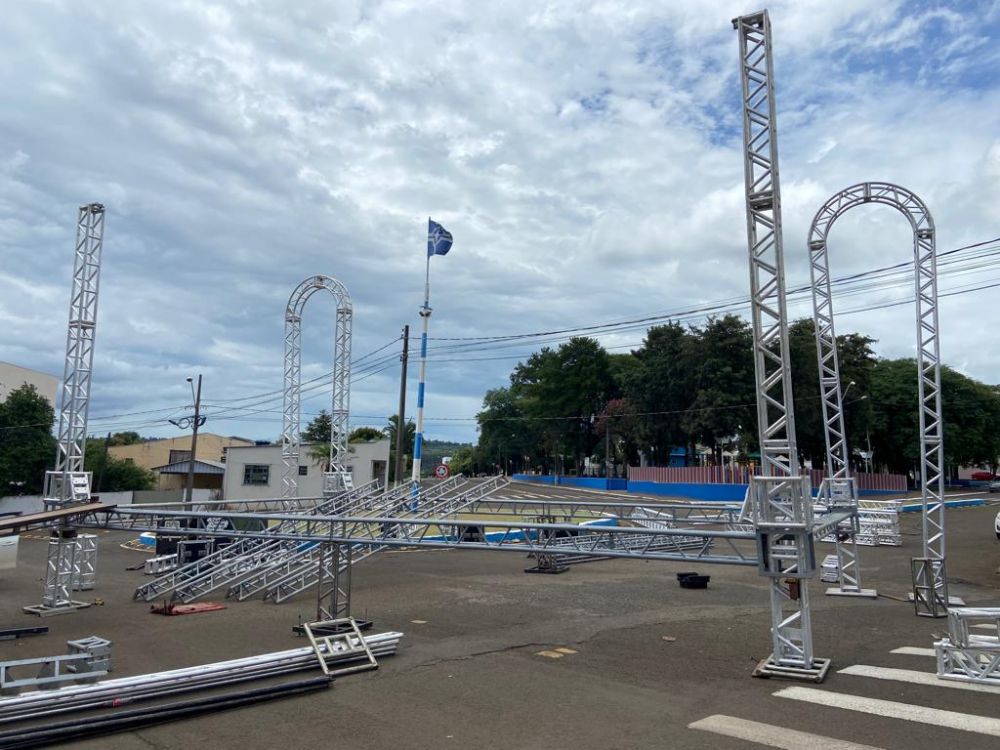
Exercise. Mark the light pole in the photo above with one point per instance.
(194, 423)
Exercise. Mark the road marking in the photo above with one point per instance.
(772, 736)
(564, 650)
(913, 651)
(893, 710)
(917, 678)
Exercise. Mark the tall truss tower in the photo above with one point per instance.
(71, 560)
(338, 476)
(779, 500)
(69, 483)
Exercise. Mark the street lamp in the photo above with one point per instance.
(194, 423)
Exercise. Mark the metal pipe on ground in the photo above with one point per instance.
(120, 721)
(128, 690)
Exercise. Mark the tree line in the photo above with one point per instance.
(691, 390)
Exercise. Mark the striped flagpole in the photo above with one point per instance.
(418, 441)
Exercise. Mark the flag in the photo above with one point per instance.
(438, 239)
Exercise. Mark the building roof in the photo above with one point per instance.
(201, 466)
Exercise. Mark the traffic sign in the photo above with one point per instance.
(441, 471)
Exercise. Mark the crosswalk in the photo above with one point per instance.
(905, 710)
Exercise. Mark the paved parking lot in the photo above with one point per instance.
(609, 655)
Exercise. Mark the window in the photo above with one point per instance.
(177, 456)
(256, 474)
(303, 471)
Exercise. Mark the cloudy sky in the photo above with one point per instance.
(585, 155)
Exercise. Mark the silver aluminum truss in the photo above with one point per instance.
(391, 531)
(930, 583)
(85, 563)
(341, 401)
(779, 501)
(69, 483)
(62, 574)
(964, 656)
(304, 569)
(228, 564)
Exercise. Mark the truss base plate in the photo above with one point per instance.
(549, 570)
(43, 610)
(953, 601)
(767, 669)
(857, 593)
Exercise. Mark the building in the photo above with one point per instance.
(153, 454)
(207, 475)
(13, 377)
(255, 471)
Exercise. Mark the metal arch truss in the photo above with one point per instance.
(930, 583)
(69, 483)
(340, 406)
(779, 502)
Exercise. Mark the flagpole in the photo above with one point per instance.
(418, 442)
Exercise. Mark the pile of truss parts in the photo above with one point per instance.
(43, 703)
(964, 656)
(878, 524)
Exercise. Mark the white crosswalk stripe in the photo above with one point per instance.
(913, 651)
(914, 677)
(772, 736)
(891, 709)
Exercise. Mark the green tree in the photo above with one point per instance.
(366, 434)
(620, 426)
(110, 474)
(27, 447)
(318, 430)
(723, 384)
(463, 461)
(659, 387)
(505, 436)
(564, 389)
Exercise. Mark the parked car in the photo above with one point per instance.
(982, 476)
(995, 485)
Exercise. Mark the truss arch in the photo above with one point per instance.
(341, 396)
(933, 599)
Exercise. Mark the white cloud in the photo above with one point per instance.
(585, 156)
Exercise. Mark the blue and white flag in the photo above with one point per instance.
(438, 239)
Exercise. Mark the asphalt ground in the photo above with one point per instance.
(642, 658)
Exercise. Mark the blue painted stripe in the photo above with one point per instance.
(971, 502)
(423, 346)
(420, 395)
(418, 444)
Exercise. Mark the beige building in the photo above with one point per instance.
(13, 377)
(255, 472)
(152, 454)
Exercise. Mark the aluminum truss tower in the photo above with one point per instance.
(290, 435)
(930, 582)
(69, 483)
(779, 501)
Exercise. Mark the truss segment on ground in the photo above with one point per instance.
(930, 578)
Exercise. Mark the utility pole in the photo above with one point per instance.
(189, 490)
(401, 419)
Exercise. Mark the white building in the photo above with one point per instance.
(13, 377)
(254, 471)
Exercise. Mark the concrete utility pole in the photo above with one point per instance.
(401, 419)
(189, 490)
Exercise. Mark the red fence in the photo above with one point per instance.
(741, 475)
